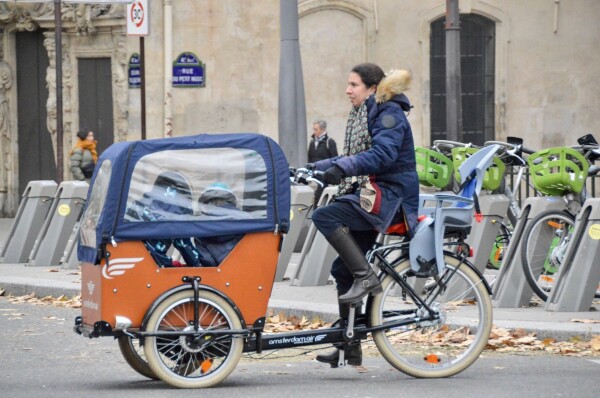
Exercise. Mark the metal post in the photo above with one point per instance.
(292, 108)
(59, 97)
(143, 85)
(453, 86)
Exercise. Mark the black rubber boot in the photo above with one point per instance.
(354, 354)
(365, 280)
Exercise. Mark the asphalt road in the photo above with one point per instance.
(43, 357)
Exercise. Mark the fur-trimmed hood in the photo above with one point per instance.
(394, 83)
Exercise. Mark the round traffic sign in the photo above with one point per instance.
(137, 14)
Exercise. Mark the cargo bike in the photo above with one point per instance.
(186, 316)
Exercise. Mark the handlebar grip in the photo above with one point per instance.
(318, 174)
(527, 150)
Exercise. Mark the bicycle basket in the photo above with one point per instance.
(434, 169)
(494, 174)
(558, 171)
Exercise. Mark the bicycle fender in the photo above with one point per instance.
(182, 287)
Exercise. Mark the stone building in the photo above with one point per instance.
(529, 69)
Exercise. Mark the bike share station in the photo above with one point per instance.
(46, 224)
(511, 289)
(317, 254)
(579, 276)
(302, 197)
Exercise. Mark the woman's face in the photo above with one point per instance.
(357, 91)
(90, 136)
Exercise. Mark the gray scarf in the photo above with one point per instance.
(356, 140)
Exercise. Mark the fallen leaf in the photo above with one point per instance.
(586, 320)
(595, 343)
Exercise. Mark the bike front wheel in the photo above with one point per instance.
(188, 360)
(545, 241)
(434, 348)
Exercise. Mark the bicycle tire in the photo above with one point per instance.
(440, 348)
(188, 362)
(133, 354)
(545, 240)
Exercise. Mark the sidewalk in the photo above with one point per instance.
(311, 301)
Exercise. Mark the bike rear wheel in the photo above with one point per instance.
(545, 241)
(186, 361)
(133, 353)
(439, 348)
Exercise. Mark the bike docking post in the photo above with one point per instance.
(483, 234)
(66, 210)
(511, 289)
(579, 274)
(35, 204)
(69, 259)
(301, 199)
(317, 254)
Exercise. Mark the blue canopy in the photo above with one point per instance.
(192, 186)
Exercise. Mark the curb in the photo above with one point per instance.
(324, 312)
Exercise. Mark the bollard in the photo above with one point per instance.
(65, 212)
(33, 209)
(302, 198)
(511, 289)
(579, 274)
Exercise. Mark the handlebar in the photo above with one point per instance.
(448, 145)
(305, 176)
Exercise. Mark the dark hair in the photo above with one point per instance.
(370, 74)
(82, 134)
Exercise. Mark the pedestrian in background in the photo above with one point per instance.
(84, 156)
(321, 146)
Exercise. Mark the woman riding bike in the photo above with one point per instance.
(378, 184)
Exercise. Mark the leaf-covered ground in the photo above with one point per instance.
(501, 340)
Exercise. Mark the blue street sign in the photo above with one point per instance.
(188, 71)
(134, 73)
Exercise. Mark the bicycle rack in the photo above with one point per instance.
(579, 274)
(69, 259)
(302, 198)
(66, 209)
(511, 289)
(483, 234)
(317, 254)
(35, 204)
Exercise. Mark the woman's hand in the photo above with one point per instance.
(333, 175)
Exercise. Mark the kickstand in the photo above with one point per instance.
(348, 335)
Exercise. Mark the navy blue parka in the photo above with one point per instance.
(390, 162)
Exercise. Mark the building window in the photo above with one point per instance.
(477, 38)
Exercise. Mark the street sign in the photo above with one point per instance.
(135, 77)
(188, 71)
(138, 18)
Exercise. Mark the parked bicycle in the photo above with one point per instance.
(194, 323)
(559, 172)
(513, 183)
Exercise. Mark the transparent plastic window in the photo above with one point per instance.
(198, 184)
(89, 221)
